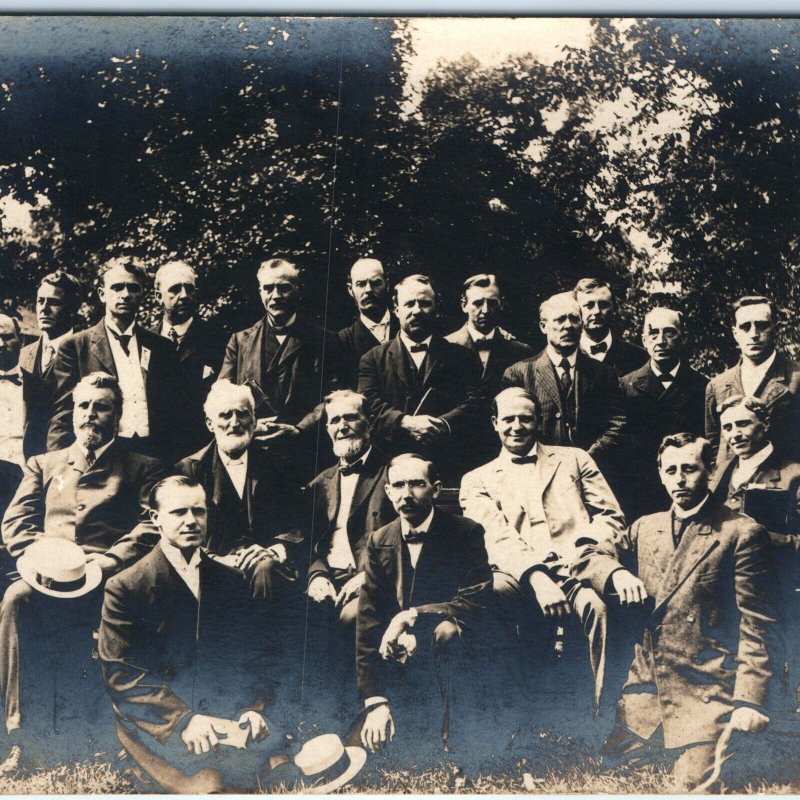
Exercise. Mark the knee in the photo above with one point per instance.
(443, 635)
(505, 587)
(349, 614)
(17, 593)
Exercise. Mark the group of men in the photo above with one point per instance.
(189, 477)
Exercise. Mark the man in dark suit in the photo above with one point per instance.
(426, 566)
(57, 302)
(598, 340)
(375, 323)
(579, 400)
(143, 362)
(424, 392)
(762, 372)
(92, 493)
(179, 646)
(482, 302)
(12, 403)
(200, 348)
(703, 661)
(664, 396)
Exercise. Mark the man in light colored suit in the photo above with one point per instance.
(539, 504)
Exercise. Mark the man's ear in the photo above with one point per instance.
(153, 512)
(437, 488)
(101, 293)
(541, 325)
(350, 290)
(209, 425)
(464, 304)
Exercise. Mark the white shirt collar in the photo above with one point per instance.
(370, 325)
(685, 513)
(556, 357)
(475, 334)
(409, 343)
(587, 342)
(15, 371)
(757, 459)
(507, 455)
(180, 329)
(657, 371)
(99, 451)
(360, 460)
(421, 528)
(187, 570)
(763, 367)
(228, 461)
(111, 326)
(55, 343)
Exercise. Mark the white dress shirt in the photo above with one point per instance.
(340, 555)
(414, 548)
(134, 419)
(747, 467)
(189, 571)
(419, 356)
(50, 347)
(179, 328)
(673, 373)
(753, 374)
(587, 342)
(380, 329)
(281, 337)
(236, 469)
(687, 513)
(477, 336)
(12, 414)
(98, 452)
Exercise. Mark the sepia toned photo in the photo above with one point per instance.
(399, 405)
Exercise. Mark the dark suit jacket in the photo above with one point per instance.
(356, 340)
(96, 506)
(624, 356)
(781, 393)
(371, 509)
(452, 580)
(165, 656)
(600, 407)
(89, 351)
(37, 394)
(292, 379)
(652, 414)
(199, 357)
(705, 647)
(268, 512)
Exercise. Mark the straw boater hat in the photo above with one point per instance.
(324, 758)
(57, 567)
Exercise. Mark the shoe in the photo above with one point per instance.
(11, 764)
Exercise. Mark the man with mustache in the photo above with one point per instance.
(93, 493)
(57, 302)
(199, 345)
(762, 372)
(375, 323)
(143, 362)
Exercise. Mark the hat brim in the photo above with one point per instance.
(358, 757)
(27, 571)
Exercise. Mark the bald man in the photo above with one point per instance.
(200, 347)
(663, 397)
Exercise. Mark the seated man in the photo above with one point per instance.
(538, 503)
(426, 566)
(92, 493)
(703, 661)
(177, 645)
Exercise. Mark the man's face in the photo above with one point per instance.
(233, 424)
(754, 331)
(94, 417)
(367, 285)
(515, 424)
(562, 324)
(347, 426)
(662, 336)
(482, 305)
(596, 306)
(416, 310)
(684, 475)
(411, 491)
(52, 311)
(182, 516)
(176, 289)
(279, 289)
(9, 343)
(745, 433)
(121, 292)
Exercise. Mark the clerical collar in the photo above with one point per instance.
(55, 343)
(371, 325)
(112, 327)
(179, 328)
(508, 456)
(658, 372)
(757, 459)
(362, 459)
(557, 358)
(423, 527)
(409, 343)
(476, 335)
(688, 513)
(587, 342)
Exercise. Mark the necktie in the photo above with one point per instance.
(48, 351)
(351, 469)
(173, 335)
(524, 459)
(11, 377)
(418, 348)
(124, 340)
(566, 378)
(91, 457)
(602, 347)
(483, 344)
(678, 527)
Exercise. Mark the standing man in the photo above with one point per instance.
(199, 347)
(12, 402)
(424, 392)
(375, 323)
(598, 341)
(578, 399)
(664, 396)
(143, 362)
(762, 372)
(57, 302)
(703, 662)
(538, 504)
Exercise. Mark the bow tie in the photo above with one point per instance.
(351, 469)
(418, 348)
(414, 536)
(531, 459)
(601, 347)
(483, 344)
(11, 377)
(665, 377)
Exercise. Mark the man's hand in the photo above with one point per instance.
(248, 557)
(378, 728)
(551, 599)
(748, 720)
(258, 725)
(350, 589)
(629, 588)
(268, 431)
(199, 735)
(108, 564)
(401, 622)
(422, 427)
(321, 589)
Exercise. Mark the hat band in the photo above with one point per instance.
(47, 582)
(339, 767)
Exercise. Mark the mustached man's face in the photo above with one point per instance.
(348, 427)
(411, 491)
(94, 417)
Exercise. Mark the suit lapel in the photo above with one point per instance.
(367, 481)
(102, 349)
(293, 342)
(546, 378)
(28, 357)
(254, 472)
(549, 465)
(433, 360)
(583, 368)
(332, 496)
(397, 361)
(648, 384)
(191, 341)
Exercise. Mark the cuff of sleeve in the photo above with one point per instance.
(526, 575)
(376, 700)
